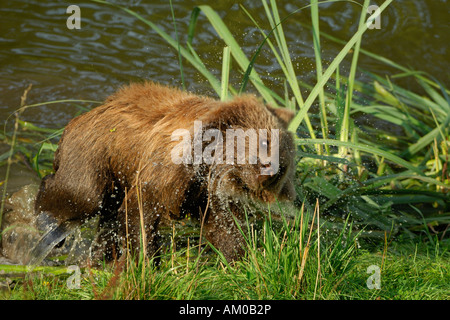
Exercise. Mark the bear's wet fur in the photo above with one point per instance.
(115, 161)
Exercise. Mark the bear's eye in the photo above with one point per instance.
(263, 143)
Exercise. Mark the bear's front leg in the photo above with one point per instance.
(220, 229)
(139, 220)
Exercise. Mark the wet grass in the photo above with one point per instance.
(284, 260)
(372, 152)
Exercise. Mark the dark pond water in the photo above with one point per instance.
(113, 48)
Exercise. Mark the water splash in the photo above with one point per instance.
(18, 231)
(28, 238)
(53, 235)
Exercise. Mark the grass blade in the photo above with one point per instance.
(225, 73)
(345, 124)
(180, 61)
(235, 49)
(364, 148)
(331, 69)
(319, 67)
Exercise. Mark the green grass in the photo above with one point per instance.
(285, 261)
(393, 188)
(408, 273)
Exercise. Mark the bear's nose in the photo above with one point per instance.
(267, 170)
(268, 175)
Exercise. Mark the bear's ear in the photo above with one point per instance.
(235, 111)
(225, 114)
(284, 115)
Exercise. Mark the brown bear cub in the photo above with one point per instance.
(151, 153)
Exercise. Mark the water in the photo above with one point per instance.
(53, 235)
(113, 48)
(22, 230)
(19, 232)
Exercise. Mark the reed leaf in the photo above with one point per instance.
(330, 70)
(235, 49)
(345, 123)
(226, 62)
(319, 67)
(364, 148)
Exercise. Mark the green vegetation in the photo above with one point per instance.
(285, 260)
(374, 193)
